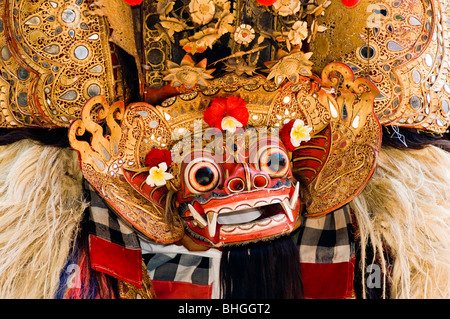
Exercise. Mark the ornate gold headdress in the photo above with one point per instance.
(55, 55)
(403, 47)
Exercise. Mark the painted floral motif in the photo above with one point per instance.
(188, 74)
(290, 66)
(200, 41)
(244, 34)
(287, 7)
(298, 33)
(202, 11)
(203, 23)
(239, 66)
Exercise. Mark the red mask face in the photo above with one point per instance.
(246, 193)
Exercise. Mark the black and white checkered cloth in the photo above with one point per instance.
(179, 267)
(176, 264)
(328, 238)
(105, 224)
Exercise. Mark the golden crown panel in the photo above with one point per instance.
(55, 55)
(402, 46)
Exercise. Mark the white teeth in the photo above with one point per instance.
(260, 203)
(212, 223)
(200, 220)
(278, 217)
(243, 214)
(239, 217)
(225, 210)
(294, 197)
(287, 208)
(242, 207)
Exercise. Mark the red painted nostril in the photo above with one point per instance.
(260, 181)
(236, 184)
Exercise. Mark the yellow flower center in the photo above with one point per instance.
(158, 174)
(299, 133)
(230, 124)
(204, 8)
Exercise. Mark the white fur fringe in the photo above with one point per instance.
(406, 208)
(41, 206)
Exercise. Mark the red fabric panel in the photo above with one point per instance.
(181, 290)
(120, 262)
(328, 281)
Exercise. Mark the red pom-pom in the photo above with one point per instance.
(285, 135)
(350, 3)
(237, 108)
(156, 156)
(266, 2)
(214, 114)
(221, 107)
(133, 2)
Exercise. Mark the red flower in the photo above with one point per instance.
(133, 2)
(285, 135)
(266, 2)
(156, 156)
(222, 107)
(350, 3)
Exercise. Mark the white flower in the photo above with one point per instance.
(300, 133)
(287, 7)
(158, 176)
(202, 11)
(230, 124)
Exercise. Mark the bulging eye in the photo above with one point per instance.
(274, 161)
(202, 176)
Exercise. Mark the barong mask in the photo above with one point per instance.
(246, 155)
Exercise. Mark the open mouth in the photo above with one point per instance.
(245, 215)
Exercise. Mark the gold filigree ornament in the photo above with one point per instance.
(104, 158)
(334, 164)
(130, 291)
(55, 55)
(201, 26)
(290, 66)
(187, 74)
(403, 47)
